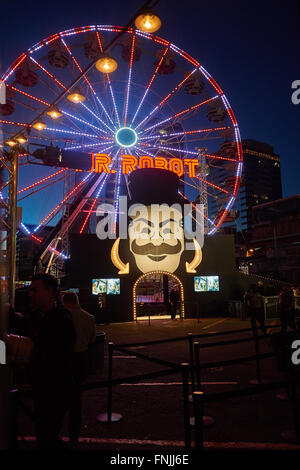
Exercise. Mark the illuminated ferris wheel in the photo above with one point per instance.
(66, 99)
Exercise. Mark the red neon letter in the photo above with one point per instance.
(100, 162)
(176, 165)
(145, 162)
(129, 162)
(161, 163)
(191, 163)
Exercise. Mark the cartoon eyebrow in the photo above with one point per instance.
(169, 220)
(145, 220)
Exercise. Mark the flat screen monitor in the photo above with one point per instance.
(106, 286)
(206, 283)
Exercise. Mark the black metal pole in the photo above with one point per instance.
(109, 416)
(109, 390)
(197, 364)
(185, 391)
(192, 363)
(293, 435)
(198, 312)
(198, 400)
(294, 402)
(13, 430)
(258, 369)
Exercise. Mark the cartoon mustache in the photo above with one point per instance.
(150, 249)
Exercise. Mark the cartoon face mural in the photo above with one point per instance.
(156, 237)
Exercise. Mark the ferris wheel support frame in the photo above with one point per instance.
(12, 225)
(67, 223)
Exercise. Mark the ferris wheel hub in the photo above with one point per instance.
(126, 137)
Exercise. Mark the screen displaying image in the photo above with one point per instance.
(113, 286)
(105, 286)
(98, 286)
(206, 284)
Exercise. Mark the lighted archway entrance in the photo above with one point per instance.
(159, 297)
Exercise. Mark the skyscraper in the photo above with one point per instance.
(261, 182)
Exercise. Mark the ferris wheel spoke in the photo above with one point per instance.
(82, 134)
(91, 145)
(48, 73)
(213, 185)
(34, 191)
(141, 152)
(102, 180)
(150, 84)
(117, 192)
(42, 180)
(196, 131)
(48, 105)
(171, 149)
(14, 123)
(197, 209)
(164, 100)
(109, 82)
(190, 152)
(39, 240)
(14, 66)
(29, 96)
(94, 203)
(198, 188)
(97, 117)
(54, 212)
(83, 121)
(181, 113)
(129, 81)
(87, 80)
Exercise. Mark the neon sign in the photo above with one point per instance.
(101, 164)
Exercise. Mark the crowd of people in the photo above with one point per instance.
(54, 349)
(254, 306)
(53, 341)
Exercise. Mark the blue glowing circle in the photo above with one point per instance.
(126, 137)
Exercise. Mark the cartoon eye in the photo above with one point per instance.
(146, 230)
(167, 231)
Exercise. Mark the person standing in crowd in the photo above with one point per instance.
(255, 307)
(174, 299)
(85, 328)
(53, 336)
(260, 288)
(286, 308)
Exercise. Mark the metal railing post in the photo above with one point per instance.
(185, 391)
(13, 427)
(109, 416)
(192, 362)
(197, 364)
(198, 399)
(109, 390)
(258, 368)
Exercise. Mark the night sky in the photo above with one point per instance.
(251, 48)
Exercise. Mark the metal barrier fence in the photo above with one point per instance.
(186, 370)
(200, 399)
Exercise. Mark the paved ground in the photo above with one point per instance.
(152, 410)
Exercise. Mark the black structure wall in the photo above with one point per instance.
(91, 259)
